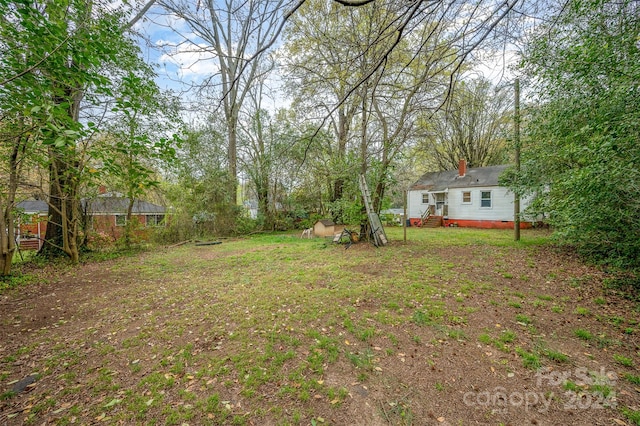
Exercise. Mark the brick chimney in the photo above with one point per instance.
(462, 168)
(102, 189)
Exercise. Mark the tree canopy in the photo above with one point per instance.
(582, 149)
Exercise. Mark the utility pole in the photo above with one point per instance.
(404, 216)
(516, 138)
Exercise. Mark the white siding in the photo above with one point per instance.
(501, 204)
(415, 208)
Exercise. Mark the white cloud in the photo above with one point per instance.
(496, 66)
(192, 61)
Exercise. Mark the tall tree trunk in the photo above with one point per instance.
(128, 226)
(232, 158)
(343, 131)
(7, 224)
(262, 191)
(365, 226)
(62, 227)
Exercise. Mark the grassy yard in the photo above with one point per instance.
(456, 326)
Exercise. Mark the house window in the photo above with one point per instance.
(121, 219)
(466, 197)
(425, 198)
(155, 220)
(485, 198)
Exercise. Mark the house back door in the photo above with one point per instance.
(440, 203)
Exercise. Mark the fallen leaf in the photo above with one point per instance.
(620, 422)
(149, 402)
(440, 419)
(346, 342)
(112, 403)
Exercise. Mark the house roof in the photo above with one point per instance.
(326, 222)
(120, 205)
(439, 181)
(104, 205)
(33, 206)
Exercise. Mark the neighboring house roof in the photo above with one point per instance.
(33, 206)
(116, 205)
(440, 181)
(100, 205)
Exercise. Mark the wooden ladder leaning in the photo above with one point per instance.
(377, 231)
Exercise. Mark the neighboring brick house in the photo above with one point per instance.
(32, 225)
(467, 197)
(107, 214)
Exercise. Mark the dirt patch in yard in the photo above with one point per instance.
(270, 332)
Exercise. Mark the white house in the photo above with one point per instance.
(469, 197)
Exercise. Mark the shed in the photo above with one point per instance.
(326, 228)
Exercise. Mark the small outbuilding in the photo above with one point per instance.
(326, 228)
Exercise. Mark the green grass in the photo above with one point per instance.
(632, 378)
(428, 317)
(583, 334)
(581, 311)
(502, 342)
(571, 386)
(623, 360)
(523, 319)
(555, 355)
(529, 359)
(16, 279)
(632, 415)
(278, 321)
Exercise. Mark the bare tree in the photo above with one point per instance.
(473, 126)
(236, 34)
(387, 63)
